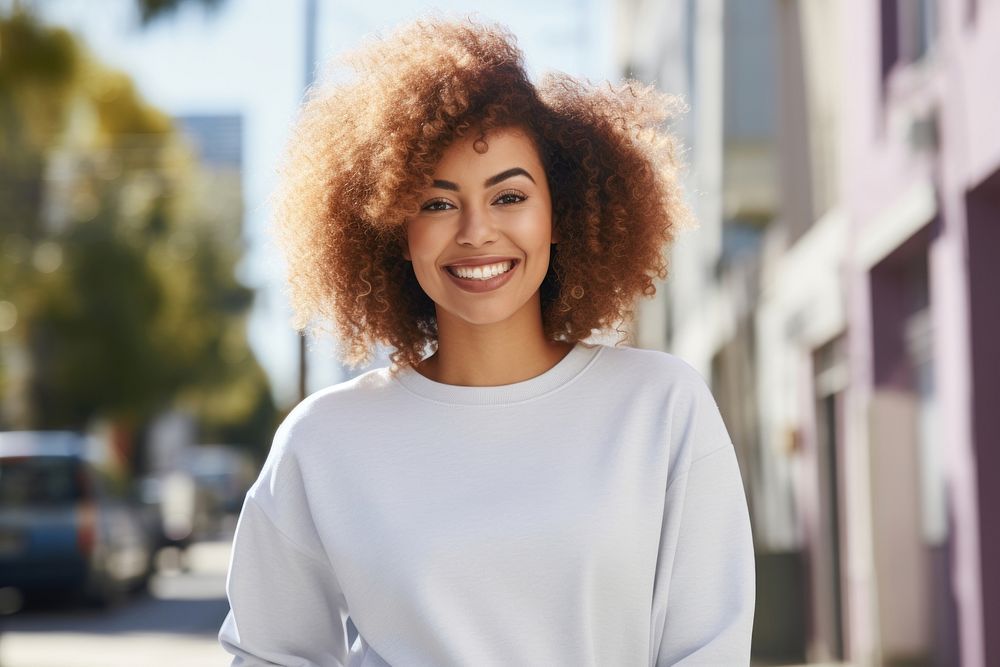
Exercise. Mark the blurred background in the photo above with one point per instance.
(840, 296)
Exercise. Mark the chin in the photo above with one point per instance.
(484, 314)
(484, 318)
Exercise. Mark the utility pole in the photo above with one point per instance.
(311, 27)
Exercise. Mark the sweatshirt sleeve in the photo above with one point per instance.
(704, 608)
(286, 605)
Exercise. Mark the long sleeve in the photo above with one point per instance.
(706, 608)
(286, 607)
(286, 604)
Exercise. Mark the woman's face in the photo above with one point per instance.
(480, 244)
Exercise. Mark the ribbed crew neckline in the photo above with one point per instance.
(568, 368)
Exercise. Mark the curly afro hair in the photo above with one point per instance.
(366, 146)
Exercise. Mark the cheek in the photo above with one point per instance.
(421, 251)
(536, 231)
(418, 241)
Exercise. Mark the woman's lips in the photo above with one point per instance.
(482, 261)
(488, 285)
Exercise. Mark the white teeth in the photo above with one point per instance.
(481, 272)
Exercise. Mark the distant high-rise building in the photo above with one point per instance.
(218, 139)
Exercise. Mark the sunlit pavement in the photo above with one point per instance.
(175, 624)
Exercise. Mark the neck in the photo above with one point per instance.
(489, 355)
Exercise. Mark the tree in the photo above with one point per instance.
(151, 10)
(123, 284)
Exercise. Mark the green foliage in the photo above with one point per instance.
(90, 332)
(121, 275)
(33, 55)
(37, 68)
(151, 10)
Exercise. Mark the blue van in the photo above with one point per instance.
(66, 526)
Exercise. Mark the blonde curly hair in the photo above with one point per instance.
(363, 149)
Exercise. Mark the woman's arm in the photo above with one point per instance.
(704, 612)
(286, 604)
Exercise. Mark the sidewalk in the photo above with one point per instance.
(176, 624)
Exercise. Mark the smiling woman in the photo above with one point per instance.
(480, 246)
(506, 493)
(366, 152)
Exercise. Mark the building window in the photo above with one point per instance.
(909, 30)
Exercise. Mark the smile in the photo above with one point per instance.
(484, 272)
(483, 277)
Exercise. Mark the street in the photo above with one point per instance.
(174, 624)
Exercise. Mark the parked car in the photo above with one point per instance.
(202, 496)
(172, 498)
(223, 475)
(67, 525)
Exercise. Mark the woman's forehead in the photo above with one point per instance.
(468, 156)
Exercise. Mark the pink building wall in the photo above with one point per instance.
(955, 94)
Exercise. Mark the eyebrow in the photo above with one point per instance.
(489, 182)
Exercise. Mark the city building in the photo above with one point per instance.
(845, 170)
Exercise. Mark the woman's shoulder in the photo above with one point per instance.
(652, 365)
(696, 424)
(328, 414)
(317, 428)
(339, 401)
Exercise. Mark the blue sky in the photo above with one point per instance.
(248, 58)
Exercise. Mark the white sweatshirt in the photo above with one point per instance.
(592, 515)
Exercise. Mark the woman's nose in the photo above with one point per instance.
(476, 228)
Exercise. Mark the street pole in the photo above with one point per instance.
(311, 11)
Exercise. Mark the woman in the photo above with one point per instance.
(517, 496)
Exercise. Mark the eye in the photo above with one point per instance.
(508, 197)
(437, 205)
